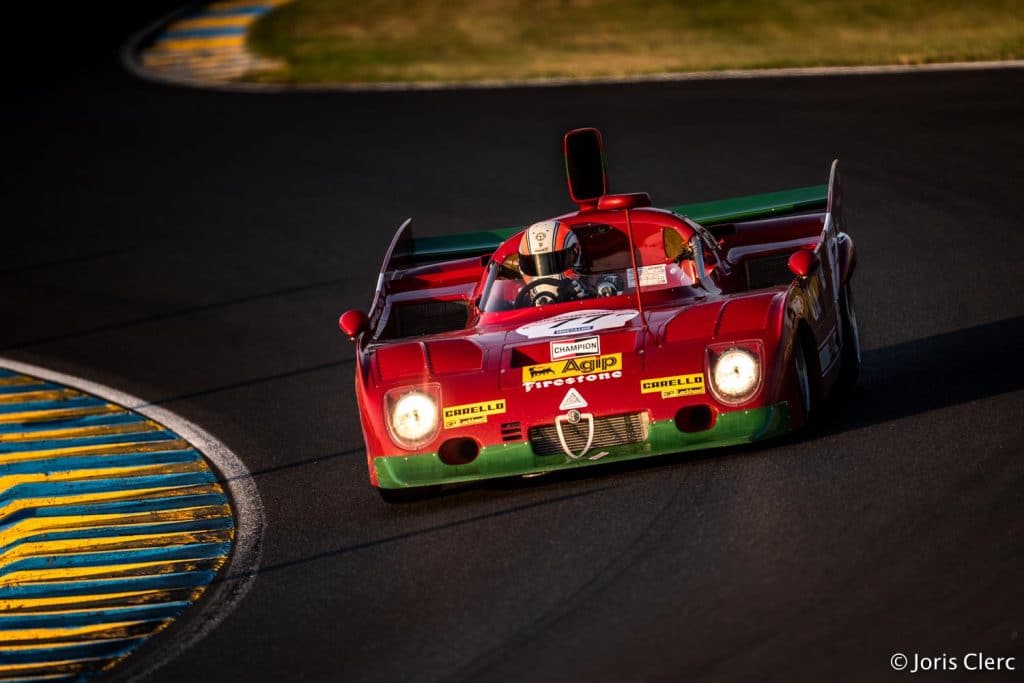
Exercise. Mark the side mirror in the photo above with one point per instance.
(353, 323)
(802, 263)
(584, 164)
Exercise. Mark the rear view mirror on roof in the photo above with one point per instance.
(584, 165)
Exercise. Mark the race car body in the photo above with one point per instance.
(681, 328)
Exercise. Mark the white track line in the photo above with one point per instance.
(237, 576)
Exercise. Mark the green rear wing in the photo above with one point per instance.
(414, 250)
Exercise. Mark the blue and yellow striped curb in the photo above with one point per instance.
(209, 43)
(111, 525)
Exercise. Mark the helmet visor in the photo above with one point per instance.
(552, 263)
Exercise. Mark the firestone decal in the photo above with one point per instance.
(581, 379)
(577, 322)
(471, 413)
(671, 387)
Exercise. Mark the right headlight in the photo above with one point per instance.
(735, 371)
(412, 415)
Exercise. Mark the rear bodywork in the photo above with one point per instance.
(535, 389)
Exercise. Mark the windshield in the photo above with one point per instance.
(604, 270)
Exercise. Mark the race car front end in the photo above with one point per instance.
(546, 405)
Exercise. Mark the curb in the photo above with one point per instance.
(201, 44)
(236, 577)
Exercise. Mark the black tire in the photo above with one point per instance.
(851, 354)
(802, 372)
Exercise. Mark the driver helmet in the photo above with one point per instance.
(549, 249)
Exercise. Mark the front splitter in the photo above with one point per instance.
(515, 459)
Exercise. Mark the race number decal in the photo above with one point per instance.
(577, 322)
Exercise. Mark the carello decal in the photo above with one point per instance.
(471, 413)
(676, 385)
(572, 371)
(574, 348)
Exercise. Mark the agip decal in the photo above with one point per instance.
(572, 371)
(676, 385)
(472, 413)
(577, 322)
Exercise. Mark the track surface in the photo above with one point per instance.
(195, 249)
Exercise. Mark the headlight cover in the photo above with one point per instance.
(735, 371)
(412, 415)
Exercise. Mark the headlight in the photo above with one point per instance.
(735, 373)
(412, 416)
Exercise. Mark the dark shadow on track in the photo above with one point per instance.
(252, 382)
(159, 317)
(60, 262)
(420, 532)
(299, 463)
(930, 374)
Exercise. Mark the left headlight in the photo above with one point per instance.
(412, 415)
(735, 372)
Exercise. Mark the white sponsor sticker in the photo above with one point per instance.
(649, 275)
(574, 348)
(577, 322)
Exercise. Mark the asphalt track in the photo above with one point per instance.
(195, 248)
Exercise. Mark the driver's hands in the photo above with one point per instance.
(545, 293)
(557, 291)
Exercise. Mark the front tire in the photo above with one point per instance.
(803, 379)
(851, 354)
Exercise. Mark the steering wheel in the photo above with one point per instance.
(565, 290)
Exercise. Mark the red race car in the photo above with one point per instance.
(615, 332)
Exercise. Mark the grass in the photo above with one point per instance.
(324, 41)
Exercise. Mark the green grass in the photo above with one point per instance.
(324, 41)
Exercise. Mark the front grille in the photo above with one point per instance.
(614, 430)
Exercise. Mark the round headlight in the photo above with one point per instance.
(414, 418)
(736, 374)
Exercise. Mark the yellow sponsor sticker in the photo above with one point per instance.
(677, 385)
(573, 367)
(471, 413)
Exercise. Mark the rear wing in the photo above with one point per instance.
(407, 250)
